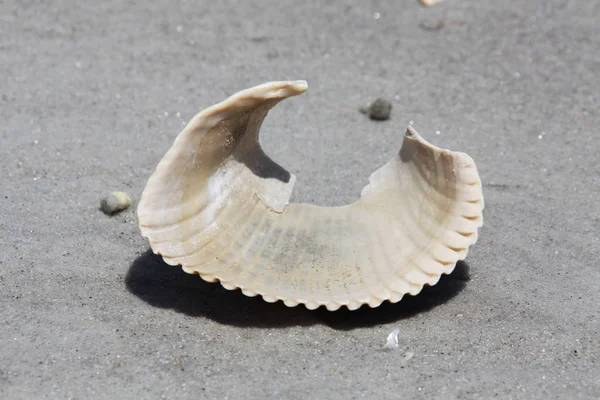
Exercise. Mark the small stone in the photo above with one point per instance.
(379, 110)
(429, 3)
(114, 203)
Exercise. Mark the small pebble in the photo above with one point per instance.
(430, 3)
(379, 110)
(114, 203)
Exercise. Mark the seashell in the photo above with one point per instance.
(219, 206)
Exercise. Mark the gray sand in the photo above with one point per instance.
(92, 95)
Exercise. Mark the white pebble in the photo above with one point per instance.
(115, 202)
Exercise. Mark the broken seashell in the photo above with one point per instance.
(392, 339)
(218, 206)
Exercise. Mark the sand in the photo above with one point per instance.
(93, 94)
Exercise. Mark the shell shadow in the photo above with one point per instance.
(161, 285)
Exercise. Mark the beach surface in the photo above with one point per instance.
(92, 94)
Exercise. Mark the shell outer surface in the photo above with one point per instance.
(219, 206)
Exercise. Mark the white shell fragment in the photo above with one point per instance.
(392, 339)
(218, 206)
